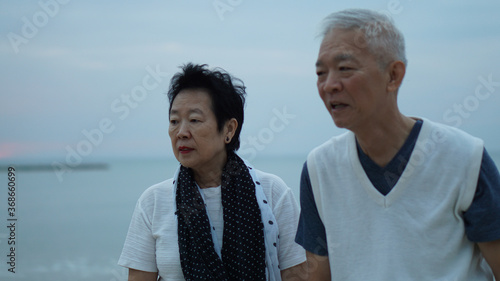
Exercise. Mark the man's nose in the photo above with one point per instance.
(332, 83)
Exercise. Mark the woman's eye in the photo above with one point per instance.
(344, 68)
(195, 120)
(173, 122)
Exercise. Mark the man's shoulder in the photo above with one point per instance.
(332, 143)
(448, 135)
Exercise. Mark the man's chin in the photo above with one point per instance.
(339, 123)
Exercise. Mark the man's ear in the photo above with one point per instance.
(397, 70)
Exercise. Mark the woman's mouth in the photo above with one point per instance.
(185, 149)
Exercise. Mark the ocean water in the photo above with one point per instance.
(74, 229)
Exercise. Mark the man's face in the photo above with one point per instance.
(350, 82)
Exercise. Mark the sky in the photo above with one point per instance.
(86, 80)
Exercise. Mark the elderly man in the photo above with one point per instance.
(395, 197)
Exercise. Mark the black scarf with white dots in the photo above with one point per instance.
(243, 249)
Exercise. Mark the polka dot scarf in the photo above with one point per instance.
(243, 250)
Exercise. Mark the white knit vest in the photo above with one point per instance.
(416, 232)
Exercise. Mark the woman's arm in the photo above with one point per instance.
(137, 275)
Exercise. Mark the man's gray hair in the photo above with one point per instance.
(381, 36)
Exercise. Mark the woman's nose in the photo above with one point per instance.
(183, 131)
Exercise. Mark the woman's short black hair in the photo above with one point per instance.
(226, 92)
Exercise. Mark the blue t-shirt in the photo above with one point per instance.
(482, 219)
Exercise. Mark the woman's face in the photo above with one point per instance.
(196, 141)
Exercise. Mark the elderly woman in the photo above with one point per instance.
(218, 218)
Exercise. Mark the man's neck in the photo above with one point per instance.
(381, 141)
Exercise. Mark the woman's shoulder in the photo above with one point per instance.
(272, 180)
(153, 193)
(272, 185)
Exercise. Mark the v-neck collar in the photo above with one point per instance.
(384, 178)
(401, 184)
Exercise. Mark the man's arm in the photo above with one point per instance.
(311, 233)
(318, 267)
(483, 216)
(491, 253)
(295, 273)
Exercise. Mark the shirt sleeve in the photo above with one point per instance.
(482, 219)
(311, 232)
(140, 245)
(286, 212)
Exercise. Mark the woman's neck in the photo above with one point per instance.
(210, 179)
(210, 176)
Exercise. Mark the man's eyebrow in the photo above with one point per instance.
(196, 110)
(339, 58)
(344, 57)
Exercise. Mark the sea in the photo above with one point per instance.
(73, 227)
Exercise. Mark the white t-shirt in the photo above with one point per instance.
(152, 243)
(213, 201)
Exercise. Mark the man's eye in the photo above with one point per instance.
(320, 73)
(345, 68)
(173, 122)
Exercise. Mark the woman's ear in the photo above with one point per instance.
(230, 129)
